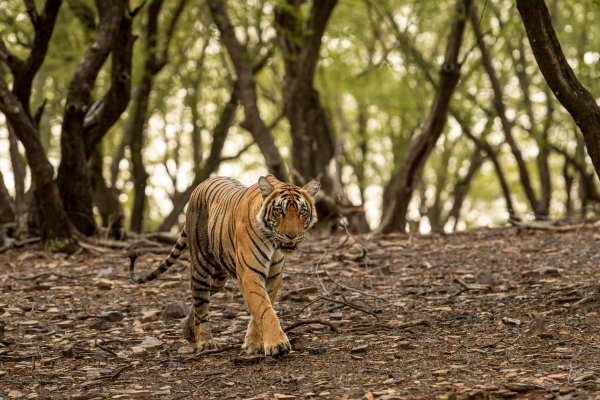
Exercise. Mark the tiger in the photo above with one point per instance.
(247, 233)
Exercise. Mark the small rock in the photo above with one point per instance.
(67, 353)
(324, 394)
(138, 350)
(297, 344)
(100, 325)
(46, 362)
(112, 316)
(486, 278)
(136, 323)
(336, 316)
(169, 285)
(537, 325)
(283, 396)
(300, 380)
(185, 350)
(151, 316)
(545, 335)
(405, 344)
(174, 364)
(176, 310)
(100, 357)
(247, 360)
(440, 372)
(318, 350)
(359, 349)
(151, 343)
(153, 326)
(15, 393)
(108, 273)
(2, 373)
(511, 321)
(103, 285)
(585, 377)
(140, 394)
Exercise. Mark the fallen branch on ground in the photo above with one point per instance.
(311, 321)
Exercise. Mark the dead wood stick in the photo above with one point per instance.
(214, 351)
(119, 371)
(564, 228)
(352, 289)
(104, 348)
(311, 321)
(355, 307)
(187, 380)
(410, 324)
(49, 273)
(466, 287)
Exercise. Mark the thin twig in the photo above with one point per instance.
(352, 289)
(311, 321)
(104, 348)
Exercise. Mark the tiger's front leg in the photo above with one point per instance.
(264, 324)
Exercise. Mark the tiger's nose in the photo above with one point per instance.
(291, 235)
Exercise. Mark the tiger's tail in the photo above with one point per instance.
(175, 253)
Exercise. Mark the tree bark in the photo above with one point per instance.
(155, 60)
(54, 225)
(409, 176)
(462, 186)
(7, 205)
(245, 77)
(312, 144)
(578, 101)
(507, 125)
(22, 212)
(106, 198)
(73, 175)
(212, 163)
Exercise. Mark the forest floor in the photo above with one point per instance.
(488, 313)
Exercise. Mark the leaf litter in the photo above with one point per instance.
(488, 313)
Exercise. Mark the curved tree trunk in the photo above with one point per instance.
(155, 60)
(54, 225)
(106, 198)
(409, 176)
(7, 205)
(559, 75)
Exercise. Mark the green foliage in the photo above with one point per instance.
(376, 89)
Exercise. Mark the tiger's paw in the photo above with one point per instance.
(280, 347)
(205, 345)
(253, 348)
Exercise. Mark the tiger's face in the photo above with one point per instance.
(287, 212)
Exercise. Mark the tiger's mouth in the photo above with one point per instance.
(288, 246)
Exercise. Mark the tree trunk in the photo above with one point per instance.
(53, 221)
(407, 179)
(578, 101)
(241, 61)
(18, 167)
(54, 225)
(462, 186)
(7, 205)
(568, 186)
(155, 60)
(201, 173)
(73, 177)
(106, 198)
(507, 125)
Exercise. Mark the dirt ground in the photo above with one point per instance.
(483, 314)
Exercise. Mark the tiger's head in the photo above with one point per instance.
(287, 212)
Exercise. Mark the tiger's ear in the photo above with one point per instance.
(265, 186)
(312, 187)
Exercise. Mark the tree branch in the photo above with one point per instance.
(559, 75)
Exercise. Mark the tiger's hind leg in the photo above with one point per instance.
(197, 328)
